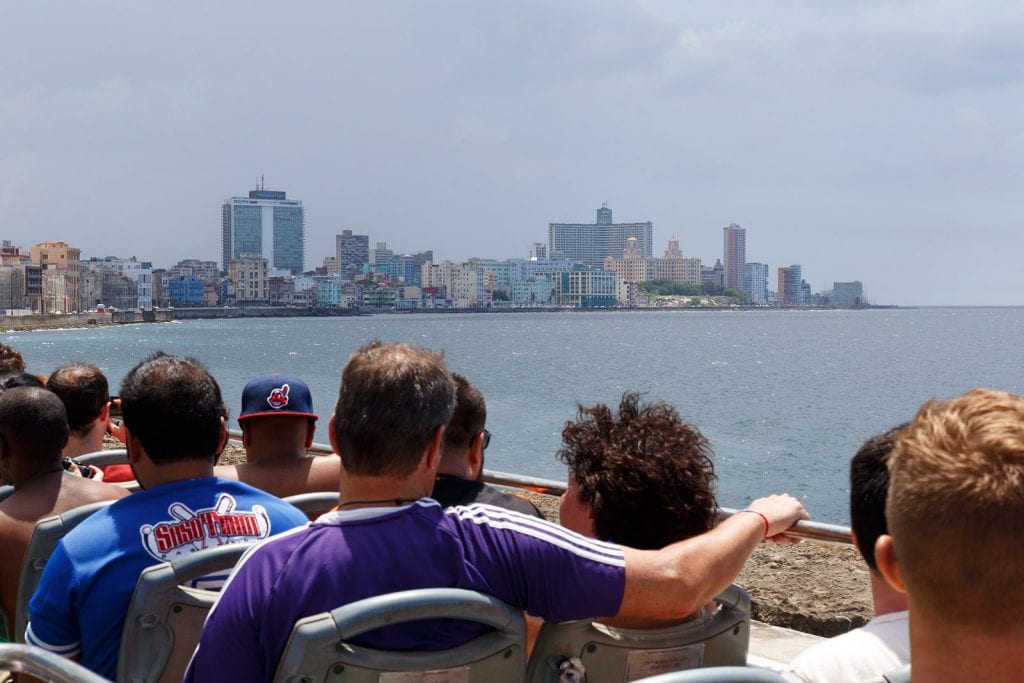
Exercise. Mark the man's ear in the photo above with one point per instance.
(475, 457)
(246, 434)
(330, 435)
(104, 412)
(310, 432)
(432, 456)
(888, 563)
(132, 445)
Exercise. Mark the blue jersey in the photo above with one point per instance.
(84, 591)
(349, 555)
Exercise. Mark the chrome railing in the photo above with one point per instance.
(811, 531)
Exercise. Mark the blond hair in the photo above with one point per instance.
(956, 505)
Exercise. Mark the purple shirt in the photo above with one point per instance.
(346, 556)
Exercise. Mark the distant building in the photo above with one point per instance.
(139, 272)
(713, 275)
(464, 283)
(592, 243)
(586, 289)
(61, 285)
(266, 223)
(791, 292)
(352, 253)
(205, 270)
(538, 251)
(248, 277)
(187, 290)
(847, 293)
(734, 256)
(755, 283)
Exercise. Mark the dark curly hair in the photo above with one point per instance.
(645, 474)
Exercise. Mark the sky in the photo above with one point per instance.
(871, 141)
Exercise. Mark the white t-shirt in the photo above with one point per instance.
(881, 645)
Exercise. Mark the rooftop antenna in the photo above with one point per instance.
(262, 185)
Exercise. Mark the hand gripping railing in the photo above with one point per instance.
(804, 530)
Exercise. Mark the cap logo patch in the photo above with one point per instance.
(278, 397)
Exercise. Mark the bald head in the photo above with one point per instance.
(33, 423)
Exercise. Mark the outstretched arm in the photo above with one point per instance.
(678, 579)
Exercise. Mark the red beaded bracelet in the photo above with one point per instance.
(763, 518)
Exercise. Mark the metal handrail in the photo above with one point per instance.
(821, 532)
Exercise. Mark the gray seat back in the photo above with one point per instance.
(604, 653)
(47, 534)
(314, 503)
(718, 674)
(165, 615)
(115, 456)
(44, 665)
(319, 648)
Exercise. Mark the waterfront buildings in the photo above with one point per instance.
(119, 282)
(266, 223)
(634, 268)
(592, 243)
(463, 283)
(351, 252)
(734, 256)
(755, 283)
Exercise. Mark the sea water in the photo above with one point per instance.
(785, 397)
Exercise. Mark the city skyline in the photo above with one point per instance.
(866, 141)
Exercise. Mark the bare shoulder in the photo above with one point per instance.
(76, 491)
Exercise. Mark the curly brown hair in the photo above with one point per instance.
(645, 474)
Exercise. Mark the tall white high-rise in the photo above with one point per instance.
(265, 223)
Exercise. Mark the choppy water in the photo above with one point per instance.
(785, 397)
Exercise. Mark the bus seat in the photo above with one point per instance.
(47, 533)
(319, 647)
(44, 665)
(605, 653)
(166, 615)
(717, 674)
(315, 503)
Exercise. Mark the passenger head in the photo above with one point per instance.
(20, 379)
(33, 423)
(393, 399)
(277, 418)
(869, 484)
(82, 388)
(10, 360)
(955, 505)
(643, 476)
(174, 407)
(468, 420)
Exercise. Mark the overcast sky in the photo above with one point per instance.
(878, 141)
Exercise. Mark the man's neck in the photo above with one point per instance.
(39, 477)
(80, 445)
(356, 491)
(181, 470)
(886, 598)
(944, 654)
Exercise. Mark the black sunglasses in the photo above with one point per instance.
(487, 439)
